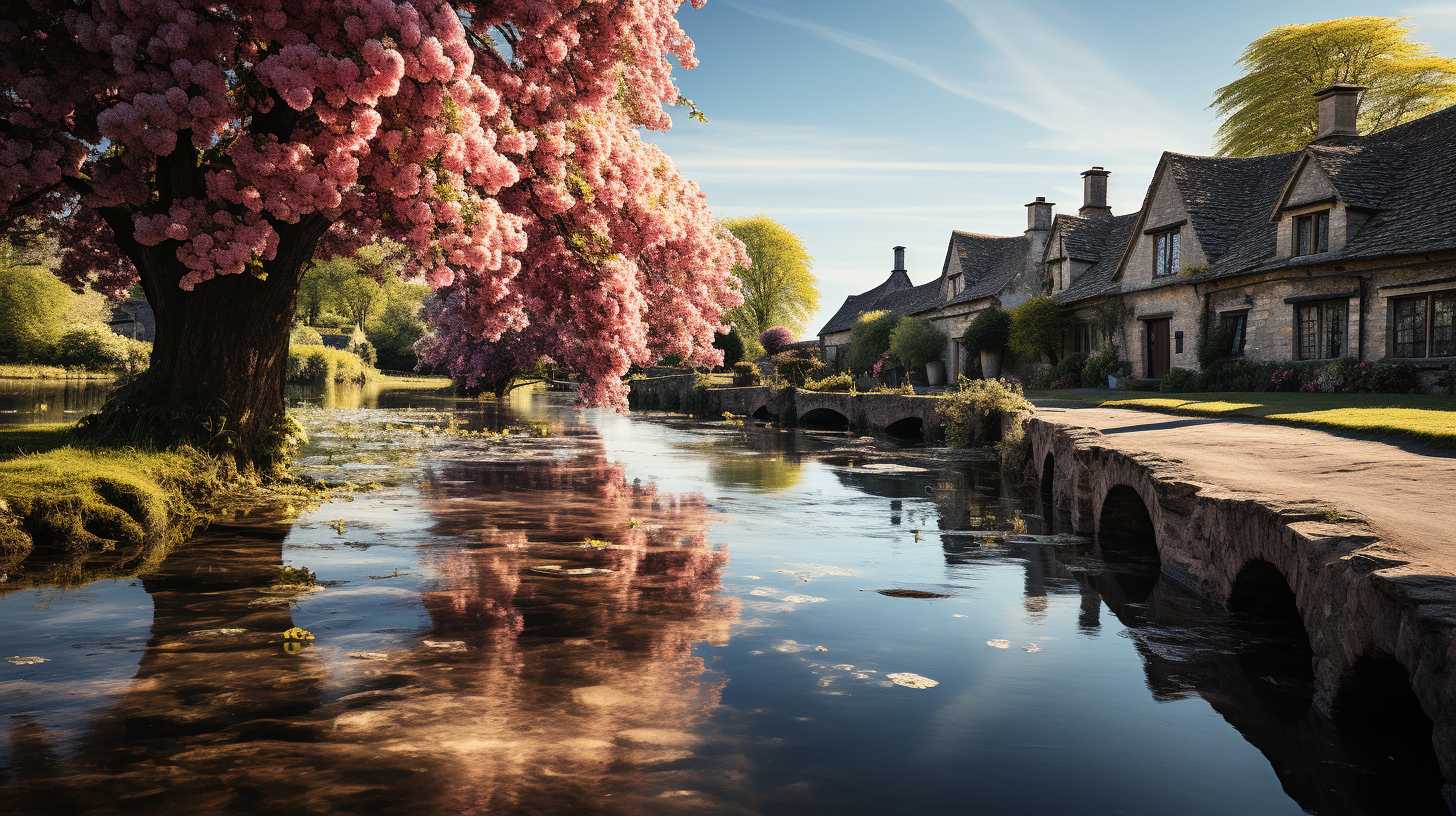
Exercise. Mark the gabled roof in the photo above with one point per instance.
(1223, 196)
(1098, 280)
(856, 305)
(1418, 211)
(988, 262)
(1077, 237)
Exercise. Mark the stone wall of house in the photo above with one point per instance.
(1183, 308)
(1165, 208)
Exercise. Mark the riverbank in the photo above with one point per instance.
(1418, 417)
(15, 371)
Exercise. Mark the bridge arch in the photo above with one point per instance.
(1128, 542)
(1048, 484)
(763, 414)
(1381, 721)
(824, 419)
(1278, 659)
(910, 427)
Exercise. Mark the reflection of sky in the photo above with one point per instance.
(608, 686)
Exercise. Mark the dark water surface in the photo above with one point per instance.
(728, 653)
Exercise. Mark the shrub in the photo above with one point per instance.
(33, 304)
(976, 411)
(360, 347)
(1100, 367)
(1216, 346)
(1179, 381)
(834, 382)
(305, 336)
(869, 339)
(915, 341)
(990, 332)
(1037, 327)
(731, 345)
(796, 366)
(317, 366)
(775, 339)
(138, 355)
(96, 348)
(745, 374)
(1385, 378)
(1067, 373)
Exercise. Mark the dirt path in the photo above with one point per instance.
(1406, 491)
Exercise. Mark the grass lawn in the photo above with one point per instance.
(1413, 416)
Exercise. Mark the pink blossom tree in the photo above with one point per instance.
(209, 150)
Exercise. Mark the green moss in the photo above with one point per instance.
(19, 439)
(71, 513)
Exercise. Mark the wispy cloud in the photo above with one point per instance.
(1436, 16)
(1038, 73)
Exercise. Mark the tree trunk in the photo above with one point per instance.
(219, 358)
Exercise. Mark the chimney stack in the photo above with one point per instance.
(1338, 107)
(1039, 214)
(1094, 194)
(899, 259)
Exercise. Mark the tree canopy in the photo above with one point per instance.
(778, 288)
(1270, 109)
(869, 338)
(212, 148)
(1037, 327)
(915, 341)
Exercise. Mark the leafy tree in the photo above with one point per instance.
(869, 339)
(916, 341)
(778, 288)
(1270, 109)
(1037, 328)
(732, 347)
(396, 329)
(775, 339)
(990, 332)
(33, 306)
(212, 148)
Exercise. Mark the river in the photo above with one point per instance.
(639, 614)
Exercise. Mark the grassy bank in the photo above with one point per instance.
(1425, 418)
(17, 371)
(71, 513)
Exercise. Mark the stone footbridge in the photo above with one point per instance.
(1381, 622)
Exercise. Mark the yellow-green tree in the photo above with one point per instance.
(1271, 108)
(778, 287)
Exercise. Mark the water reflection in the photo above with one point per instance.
(527, 689)
(37, 401)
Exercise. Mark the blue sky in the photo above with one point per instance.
(860, 128)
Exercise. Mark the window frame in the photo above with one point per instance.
(1428, 341)
(1318, 222)
(1241, 330)
(1170, 258)
(1321, 329)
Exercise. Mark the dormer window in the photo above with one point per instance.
(1312, 233)
(955, 285)
(1166, 253)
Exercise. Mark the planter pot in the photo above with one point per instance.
(1112, 382)
(990, 365)
(935, 372)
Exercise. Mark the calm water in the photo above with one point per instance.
(729, 654)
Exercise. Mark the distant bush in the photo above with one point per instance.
(796, 366)
(95, 348)
(775, 339)
(745, 374)
(1105, 364)
(1179, 381)
(731, 344)
(1068, 372)
(915, 342)
(1037, 328)
(978, 409)
(317, 366)
(869, 339)
(33, 305)
(360, 347)
(305, 336)
(989, 332)
(842, 382)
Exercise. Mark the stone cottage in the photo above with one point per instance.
(1344, 249)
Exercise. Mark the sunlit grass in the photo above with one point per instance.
(45, 372)
(1422, 417)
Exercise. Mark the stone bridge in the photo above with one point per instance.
(1379, 634)
(893, 414)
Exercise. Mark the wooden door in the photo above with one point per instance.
(1159, 361)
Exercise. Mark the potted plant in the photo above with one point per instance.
(988, 335)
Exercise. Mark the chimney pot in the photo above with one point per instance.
(1339, 106)
(1094, 194)
(899, 259)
